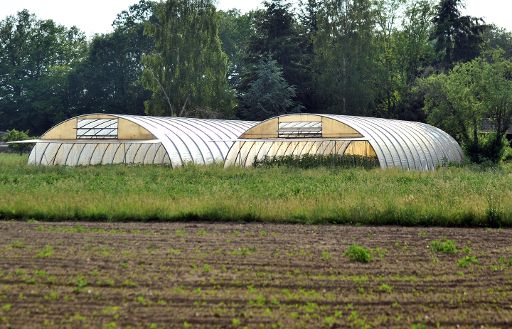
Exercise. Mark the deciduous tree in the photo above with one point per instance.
(187, 71)
(463, 100)
(35, 59)
(109, 79)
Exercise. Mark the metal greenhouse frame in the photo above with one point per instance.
(401, 144)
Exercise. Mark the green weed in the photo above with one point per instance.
(181, 233)
(46, 252)
(207, 268)
(310, 307)
(243, 251)
(419, 326)
(110, 325)
(141, 300)
(80, 284)
(357, 253)
(235, 322)
(444, 246)
(18, 244)
(329, 321)
(467, 261)
(379, 253)
(6, 307)
(505, 262)
(129, 283)
(326, 256)
(52, 296)
(174, 252)
(386, 288)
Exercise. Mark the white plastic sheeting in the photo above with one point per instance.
(177, 141)
(397, 144)
(405, 144)
(69, 153)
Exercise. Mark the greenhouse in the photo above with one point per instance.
(393, 143)
(100, 139)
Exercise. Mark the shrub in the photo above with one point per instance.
(14, 136)
(444, 246)
(490, 148)
(357, 253)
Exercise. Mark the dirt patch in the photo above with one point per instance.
(194, 275)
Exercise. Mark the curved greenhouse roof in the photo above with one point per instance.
(114, 139)
(402, 144)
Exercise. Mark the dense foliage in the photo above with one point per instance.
(36, 57)
(416, 60)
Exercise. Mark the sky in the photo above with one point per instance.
(96, 16)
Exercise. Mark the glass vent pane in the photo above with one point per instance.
(97, 129)
(303, 129)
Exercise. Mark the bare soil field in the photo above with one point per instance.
(77, 275)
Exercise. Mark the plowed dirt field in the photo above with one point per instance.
(78, 275)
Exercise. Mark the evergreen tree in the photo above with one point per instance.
(457, 38)
(269, 94)
(276, 35)
(187, 72)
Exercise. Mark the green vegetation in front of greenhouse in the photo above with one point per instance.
(453, 196)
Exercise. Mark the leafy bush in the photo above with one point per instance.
(443, 246)
(489, 148)
(314, 161)
(507, 154)
(14, 136)
(357, 253)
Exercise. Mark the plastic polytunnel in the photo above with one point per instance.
(104, 139)
(394, 143)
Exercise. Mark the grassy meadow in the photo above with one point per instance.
(467, 196)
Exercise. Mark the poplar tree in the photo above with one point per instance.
(187, 72)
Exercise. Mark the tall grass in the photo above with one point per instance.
(447, 197)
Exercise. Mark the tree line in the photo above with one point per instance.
(418, 60)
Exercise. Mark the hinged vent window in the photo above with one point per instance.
(303, 129)
(97, 129)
